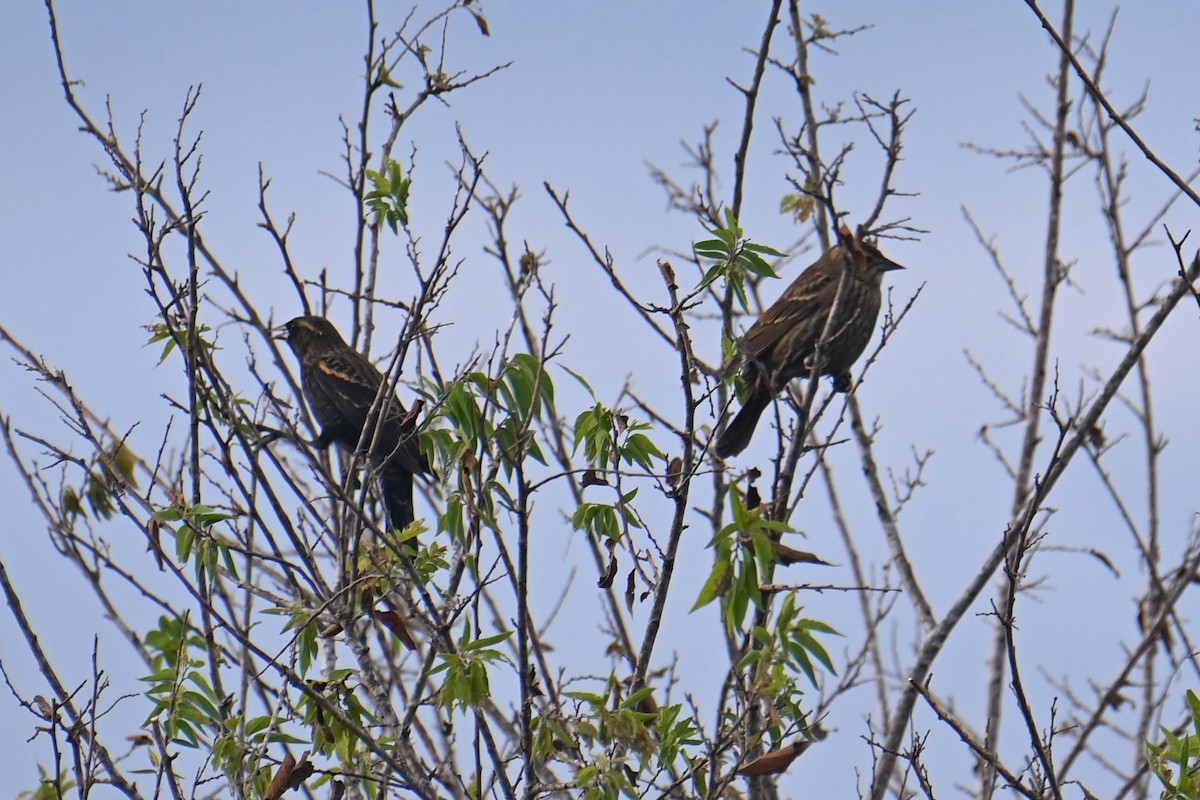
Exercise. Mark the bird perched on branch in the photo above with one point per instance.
(782, 343)
(343, 390)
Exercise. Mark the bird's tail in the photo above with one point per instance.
(396, 488)
(736, 436)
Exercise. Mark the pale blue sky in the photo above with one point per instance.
(596, 91)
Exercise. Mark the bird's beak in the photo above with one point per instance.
(280, 332)
(889, 265)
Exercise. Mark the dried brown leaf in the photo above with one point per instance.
(776, 761)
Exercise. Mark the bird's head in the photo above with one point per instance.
(868, 260)
(309, 334)
(877, 262)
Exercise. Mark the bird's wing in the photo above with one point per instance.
(806, 298)
(351, 382)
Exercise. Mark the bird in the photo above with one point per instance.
(782, 342)
(342, 387)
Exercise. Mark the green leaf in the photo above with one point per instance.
(599, 519)
(488, 641)
(388, 198)
(713, 248)
(717, 583)
(582, 380)
(735, 257)
(185, 537)
(633, 700)
(641, 450)
(754, 263)
(711, 275)
(1194, 705)
(764, 250)
(731, 221)
(384, 78)
(591, 698)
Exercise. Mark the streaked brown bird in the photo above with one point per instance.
(781, 344)
(342, 387)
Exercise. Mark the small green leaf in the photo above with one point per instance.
(765, 250)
